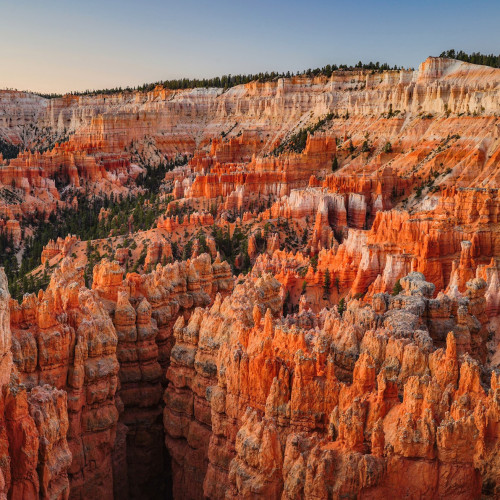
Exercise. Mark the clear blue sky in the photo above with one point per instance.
(63, 45)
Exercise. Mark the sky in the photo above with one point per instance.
(68, 45)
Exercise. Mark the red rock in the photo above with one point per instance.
(389, 396)
(48, 408)
(60, 247)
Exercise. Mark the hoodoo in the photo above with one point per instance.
(280, 287)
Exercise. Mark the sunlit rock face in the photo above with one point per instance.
(368, 389)
(95, 142)
(348, 348)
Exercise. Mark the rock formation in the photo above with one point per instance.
(296, 399)
(310, 308)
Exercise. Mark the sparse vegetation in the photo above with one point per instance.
(397, 289)
(8, 150)
(327, 284)
(228, 81)
(341, 307)
(335, 163)
(297, 142)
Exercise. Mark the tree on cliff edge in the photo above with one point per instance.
(341, 307)
(335, 163)
(397, 288)
(327, 284)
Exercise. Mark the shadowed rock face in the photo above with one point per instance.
(34, 451)
(84, 401)
(357, 358)
(307, 405)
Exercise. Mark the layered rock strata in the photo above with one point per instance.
(328, 406)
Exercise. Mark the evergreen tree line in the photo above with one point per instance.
(474, 58)
(233, 246)
(8, 150)
(228, 81)
(152, 179)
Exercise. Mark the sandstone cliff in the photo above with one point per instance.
(357, 353)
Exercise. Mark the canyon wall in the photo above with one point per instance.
(82, 378)
(339, 337)
(232, 133)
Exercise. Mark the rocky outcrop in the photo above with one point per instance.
(19, 110)
(85, 394)
(189, 422)
(144, 310)
(34, 450)
(60, 247)
(193, 221)
(48, 408)
(333, 368)
(294, 399)
(63, 337)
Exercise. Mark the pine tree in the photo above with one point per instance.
(305, 236)
(286, 303)
(341, 307)
(337, 284)
(335, 163)
(397, 288)
(327, 283)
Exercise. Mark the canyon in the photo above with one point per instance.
(283, 289)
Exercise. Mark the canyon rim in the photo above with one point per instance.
(283, 285)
